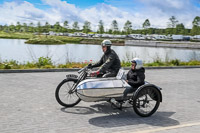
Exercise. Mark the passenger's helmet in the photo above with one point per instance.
(106, 43)
(138, 63)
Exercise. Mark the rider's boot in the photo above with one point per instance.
(116, 103)
(126, 103)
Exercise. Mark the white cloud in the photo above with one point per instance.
(12, 12)
(161, 11)
(61, 10)
(158, 12)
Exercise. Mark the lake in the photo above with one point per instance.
(16, 49)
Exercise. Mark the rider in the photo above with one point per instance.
(135, 76)
(109, 62)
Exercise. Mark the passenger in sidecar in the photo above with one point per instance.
(135, 76)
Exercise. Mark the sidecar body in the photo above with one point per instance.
(102, 89)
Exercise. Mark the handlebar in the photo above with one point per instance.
(83, 69)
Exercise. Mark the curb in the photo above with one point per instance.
(76, 69)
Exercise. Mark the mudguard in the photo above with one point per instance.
(72, 79)
(148, 85)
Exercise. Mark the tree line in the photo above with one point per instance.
(173, 27)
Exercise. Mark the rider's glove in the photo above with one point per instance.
(90, 66)
(93, 74)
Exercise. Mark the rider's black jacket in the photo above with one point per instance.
(109, 62)
(136, 77)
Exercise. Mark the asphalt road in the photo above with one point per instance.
(28, 105)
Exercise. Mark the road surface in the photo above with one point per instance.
(28, 105)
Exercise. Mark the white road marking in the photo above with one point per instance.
(165, 128)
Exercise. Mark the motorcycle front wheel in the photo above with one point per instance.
(63, 94)
(147, 101)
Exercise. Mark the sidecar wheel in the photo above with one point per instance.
(147, 101)
(63, 96)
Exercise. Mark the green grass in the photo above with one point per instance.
(175, 62)
(16, 35)
(46, 62)
(64, 39)
(43, 39)
(193, 40)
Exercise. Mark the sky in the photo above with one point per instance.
(137, 11)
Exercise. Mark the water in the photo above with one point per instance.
(16, 49)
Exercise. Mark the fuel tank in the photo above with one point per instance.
(101, 89)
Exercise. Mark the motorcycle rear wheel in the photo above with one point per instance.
(63, 95)
(147, 101)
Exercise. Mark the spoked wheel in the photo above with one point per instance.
(147, 101)
(64, 95)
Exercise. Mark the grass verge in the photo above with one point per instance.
(46, 63)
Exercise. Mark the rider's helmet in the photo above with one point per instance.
(107, 43)
(138, 62)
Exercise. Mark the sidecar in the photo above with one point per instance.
(103, 89)
(145, 100)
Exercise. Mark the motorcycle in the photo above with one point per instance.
(145, 100)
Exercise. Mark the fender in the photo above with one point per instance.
(149, 85)
(71, 78)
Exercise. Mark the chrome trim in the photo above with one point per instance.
(91, 90)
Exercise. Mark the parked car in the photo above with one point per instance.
(177, 37)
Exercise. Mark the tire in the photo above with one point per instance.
(63, 96)
(146, 101)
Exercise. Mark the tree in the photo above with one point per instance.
(146, 24)
(101, 27)
(46, 27)
(196, 21)
(57, 27)
(66, 24)
(180, 28)
(114, 27)
(151, 31)
(75, 26)
(172, 22)
(25, 27)
(18, 27)
(196, 26)
(195, 30)
(31, 27)
(86, 27)
(12, 28)
(39, 28)
(128, 27)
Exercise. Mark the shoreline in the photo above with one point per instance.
(124, 42)
(166, 44)
(59, 40)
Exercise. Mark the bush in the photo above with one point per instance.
(175, 62)
(46, 63)
(48, 66)
(43, 61)
(9, 64)
(125, 63)
(30, 65)
(61, 66)
(194, 62)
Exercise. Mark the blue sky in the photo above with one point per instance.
(136, 11)
(78, 3)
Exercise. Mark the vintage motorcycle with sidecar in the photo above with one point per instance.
(145, 100)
